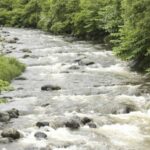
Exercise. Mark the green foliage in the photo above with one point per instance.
(135, 33)
(9, 69)
(87, 22)
(125, 24)
(4, 85)
(2, 100)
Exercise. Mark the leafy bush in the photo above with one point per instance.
(125, 24)
(9, 68)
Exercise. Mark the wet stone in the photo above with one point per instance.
(16, 39)
(42, 124)
(74, 67)
(40, 135)
(72, 124)
(26, 56)
(10, 133)
(86, 62)
(45, 105)
(20, 78)
(92, 125)
(11, 41)
(4, 140)
(50, 88)
(25, 50)
(13, 113)
(86, 120)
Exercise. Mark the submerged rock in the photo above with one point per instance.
(74, 67)
(86, 62)
(11, 41)
(92, 125)
(45, 105)
(42, 124)
(26, 56)
(50, 88)
(4, 116)
(125, 110)
(16, 39)
(4, 140)
(11, 133)
(40, 135)
(26, 50)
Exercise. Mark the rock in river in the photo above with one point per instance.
(20, 78)
(11, 41)
(50, 88)
(26, 50)
(42, 124)
(11, 133)
(40, 135)
(86, 120)
(92, 125)
(13, 113)
(72, 124)
(86, 62)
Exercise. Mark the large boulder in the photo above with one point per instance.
(50, 88)
(11, 133)
(4, 116)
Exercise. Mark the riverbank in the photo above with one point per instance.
(10, 68)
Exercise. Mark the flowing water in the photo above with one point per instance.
(116, 99)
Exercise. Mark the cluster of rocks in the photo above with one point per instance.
(5, 116)
(72, 123)
(12, 40)
(75, 123)
(10, 134)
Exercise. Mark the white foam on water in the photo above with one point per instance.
(139, 101)
(122, 134)
(117, 68)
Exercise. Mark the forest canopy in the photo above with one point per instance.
(125, 24)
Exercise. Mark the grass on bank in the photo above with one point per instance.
(9, 69)
(2, 100)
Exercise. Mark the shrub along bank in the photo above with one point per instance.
(123, 23)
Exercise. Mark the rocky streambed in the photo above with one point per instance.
(74, 95)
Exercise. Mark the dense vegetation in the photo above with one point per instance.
(125, 24)
(9, 69)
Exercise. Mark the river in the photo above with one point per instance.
(94, 84)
